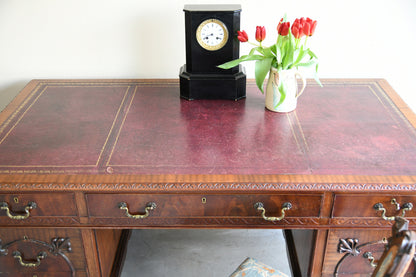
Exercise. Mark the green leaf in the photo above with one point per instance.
(278, 54)
(301, 54)
(308, 64)
(258, 49)
(282, 92)
(289, 48)
(315, 76)
(312, 54)
(230, 64)
(262, 67)
(288, 58)
(268, 52)
(317, 80)
(236, 62)
(273, 49)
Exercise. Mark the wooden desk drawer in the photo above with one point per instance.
(348, 205)
(192, 206)
(345, 249)
(51, 252)
(46, 208)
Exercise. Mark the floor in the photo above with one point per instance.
(201, 253)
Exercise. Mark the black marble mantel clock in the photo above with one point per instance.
(210, 39)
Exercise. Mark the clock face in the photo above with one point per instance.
(212, 34)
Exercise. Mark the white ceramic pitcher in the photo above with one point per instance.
(273, 95)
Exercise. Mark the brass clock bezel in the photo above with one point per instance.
(210, 47)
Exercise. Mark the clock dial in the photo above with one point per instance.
(212, 34)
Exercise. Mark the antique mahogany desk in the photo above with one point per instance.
(83, 160)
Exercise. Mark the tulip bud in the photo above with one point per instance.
(242, 36)
(313, 27)
(306, 28)
(280, 23)
(309, 26)
(297, 28)
(260, 33)
(283, 28)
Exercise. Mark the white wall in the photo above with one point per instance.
(145, 39)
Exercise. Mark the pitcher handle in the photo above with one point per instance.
(297, 73)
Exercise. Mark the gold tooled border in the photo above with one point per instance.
(18, 112)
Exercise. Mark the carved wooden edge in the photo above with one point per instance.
(40, 220)
(362, 222)
(59, 247)
(206, 221)
(202, 186)
(301, 222)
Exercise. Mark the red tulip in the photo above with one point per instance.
(306, 28)
(260, 33)
(297, 28)
(309, 27)
(313, 27)
(283, 28)
(242, 36)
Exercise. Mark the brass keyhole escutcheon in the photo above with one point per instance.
(16, 200)
(204, 200)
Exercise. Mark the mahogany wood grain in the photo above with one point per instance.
(47, 204)
(318, 252)
(91, 253)
(51, 209)
(350, 205)
(106, 205)
(205, 183)
(31, 241)
(369, 240)
(107, 245)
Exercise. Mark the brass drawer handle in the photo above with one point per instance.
(149, 207)
(370, 258)
(260, 207)
(29, 206)
(17, 255)
(405, 207)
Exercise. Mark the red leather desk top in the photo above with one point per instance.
(143, 127)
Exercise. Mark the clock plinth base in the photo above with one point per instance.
(212, 86)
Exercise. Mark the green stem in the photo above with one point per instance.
(257, 45)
